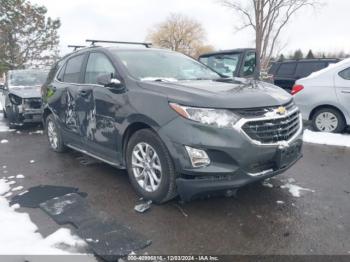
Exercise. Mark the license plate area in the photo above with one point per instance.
(287, 155)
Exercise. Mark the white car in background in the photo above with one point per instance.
(324, 97)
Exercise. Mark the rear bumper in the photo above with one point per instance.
(190, 188)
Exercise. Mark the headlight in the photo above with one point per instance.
(208, 116)
(16, 100)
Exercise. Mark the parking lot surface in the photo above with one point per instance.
(266, 218)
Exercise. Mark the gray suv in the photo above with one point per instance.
(176, 126)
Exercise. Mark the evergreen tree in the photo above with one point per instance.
(298, 54)
(310, 55)
(27, 37)
(281, 58)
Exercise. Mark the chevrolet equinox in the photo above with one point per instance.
(178, 127)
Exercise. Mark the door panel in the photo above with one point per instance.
(342, 85)
(69, 103)
(102, 133)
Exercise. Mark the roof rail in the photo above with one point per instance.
(76, 47)
(93, 41)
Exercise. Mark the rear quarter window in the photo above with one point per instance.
(286, 69)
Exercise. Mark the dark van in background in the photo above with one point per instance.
(286, 73)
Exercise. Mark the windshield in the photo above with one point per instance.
(158, 65)
(225, 64)
(27, 78)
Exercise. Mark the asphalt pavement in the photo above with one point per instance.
(263, 219)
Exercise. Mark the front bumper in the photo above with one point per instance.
(22, 117)
(235, 159)
(189, 188)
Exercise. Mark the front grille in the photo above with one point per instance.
(273, 130)
(261, 111)
(34, 103)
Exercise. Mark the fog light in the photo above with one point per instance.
(198, 157)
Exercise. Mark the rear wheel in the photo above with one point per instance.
(151, 170)
(54, 135)
(328, 120)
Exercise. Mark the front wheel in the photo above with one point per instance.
(54, 135)
(150, 167)
(328, 120)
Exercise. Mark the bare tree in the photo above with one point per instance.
(180, 33)
(267, 18)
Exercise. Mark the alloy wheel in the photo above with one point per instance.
(146, 167)
(52, 134)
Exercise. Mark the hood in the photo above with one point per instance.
(233, 93)
(26, 92)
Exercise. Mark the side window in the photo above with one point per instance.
(345, 74)
(61, 73)
(73, 67)
(249, 64)
(287, 69)
(273, 69)
(98, 64)
(305, 69)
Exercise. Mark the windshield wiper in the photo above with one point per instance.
(159, 79)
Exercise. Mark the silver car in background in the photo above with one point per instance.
(324, 97)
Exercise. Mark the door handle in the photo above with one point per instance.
(345, 91)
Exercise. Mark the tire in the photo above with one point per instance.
(336, 122)
(54, 136)
(166, 188)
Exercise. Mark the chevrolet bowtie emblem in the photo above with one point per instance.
(281, 110)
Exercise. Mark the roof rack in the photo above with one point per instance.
(76, 47)
(93, 41)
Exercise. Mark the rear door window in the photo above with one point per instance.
(73, 69)
(345, 74)
(305, 69)
(287, 69)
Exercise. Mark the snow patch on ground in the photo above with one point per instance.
(20, 176)
(295, 190)
(17, 188)
(19, 235)
(326, 138)
(32, 161)
(4, 186)
(4, 141)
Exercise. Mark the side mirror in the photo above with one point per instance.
(107, 81)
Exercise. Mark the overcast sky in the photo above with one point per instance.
(326, 29)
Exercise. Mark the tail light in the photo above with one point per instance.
(297, 89)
